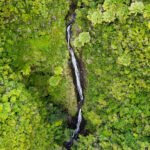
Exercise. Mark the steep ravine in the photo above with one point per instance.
(77, 76)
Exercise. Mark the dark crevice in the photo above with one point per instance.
(71, 12)
(73, 120)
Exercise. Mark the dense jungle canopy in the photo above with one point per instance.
(111, 39)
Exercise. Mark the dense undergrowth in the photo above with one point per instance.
(116, 53)
(36, 88)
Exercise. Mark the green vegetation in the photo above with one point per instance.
(117, 60)
(83, 38)
(36, 87)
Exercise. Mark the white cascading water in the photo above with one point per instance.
(78, 81)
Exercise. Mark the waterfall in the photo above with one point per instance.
(78, 83)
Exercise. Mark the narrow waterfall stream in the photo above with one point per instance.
(78, 85)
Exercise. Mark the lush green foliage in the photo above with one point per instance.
(36, 43)
(117, 61)
(25, 122)
(83, 38)
(35, 83)
(36, 88)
